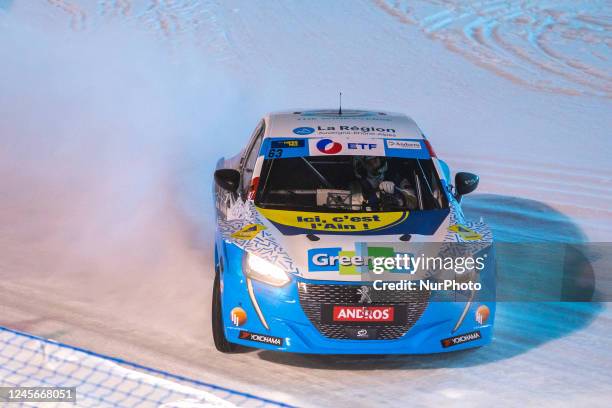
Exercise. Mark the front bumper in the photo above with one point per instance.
(290, 328)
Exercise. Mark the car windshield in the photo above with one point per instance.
(350, 183)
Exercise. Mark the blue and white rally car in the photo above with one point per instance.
(314, 219)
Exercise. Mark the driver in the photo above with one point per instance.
(375, 183)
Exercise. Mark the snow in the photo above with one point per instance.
(114, 113)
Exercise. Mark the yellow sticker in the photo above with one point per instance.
(322, 221)
(465, 232)
(249, 231)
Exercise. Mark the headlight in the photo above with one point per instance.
(264, 271)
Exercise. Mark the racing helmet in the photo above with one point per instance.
(371, 167)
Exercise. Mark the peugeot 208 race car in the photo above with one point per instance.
(305, 214)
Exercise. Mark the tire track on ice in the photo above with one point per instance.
(560, 46)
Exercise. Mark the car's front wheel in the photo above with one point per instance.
(218, 329)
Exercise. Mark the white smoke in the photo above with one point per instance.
(108, 140)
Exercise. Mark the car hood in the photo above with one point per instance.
(290, 239)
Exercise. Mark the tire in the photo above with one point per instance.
(218, 329)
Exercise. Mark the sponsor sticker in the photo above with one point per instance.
(464, 232)
(253, 188)
(287, 143)
(318, 259)
(248, 232)
(321, 221)
(352, 130)
(363, 333)
(463, 338)
(403, 144)
(482, 314)
(363, 314)
(277, 148)
(260, 338)
(238, 316)
(408, 148)
(328, 146)
(364, 260)
(305, 130)
(350, 146)
(357, 315)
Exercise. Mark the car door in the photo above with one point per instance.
(226, 200)
(247, 163)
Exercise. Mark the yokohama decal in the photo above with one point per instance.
(260, 338)
(463, 338)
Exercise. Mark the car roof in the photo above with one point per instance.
(350, 123)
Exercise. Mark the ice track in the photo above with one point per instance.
(557, 46)
(113, 114)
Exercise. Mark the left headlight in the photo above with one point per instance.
(264, 271)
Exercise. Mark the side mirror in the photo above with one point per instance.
(227, 179)
(465, 183)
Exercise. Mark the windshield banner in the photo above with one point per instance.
(276, 148)
(322, 221)
(364, 223)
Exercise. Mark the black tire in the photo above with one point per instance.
(218, 331)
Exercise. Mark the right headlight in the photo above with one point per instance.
(264, 271)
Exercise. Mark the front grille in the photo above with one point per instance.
(313, 296)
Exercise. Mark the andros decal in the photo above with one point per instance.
(363, 313)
